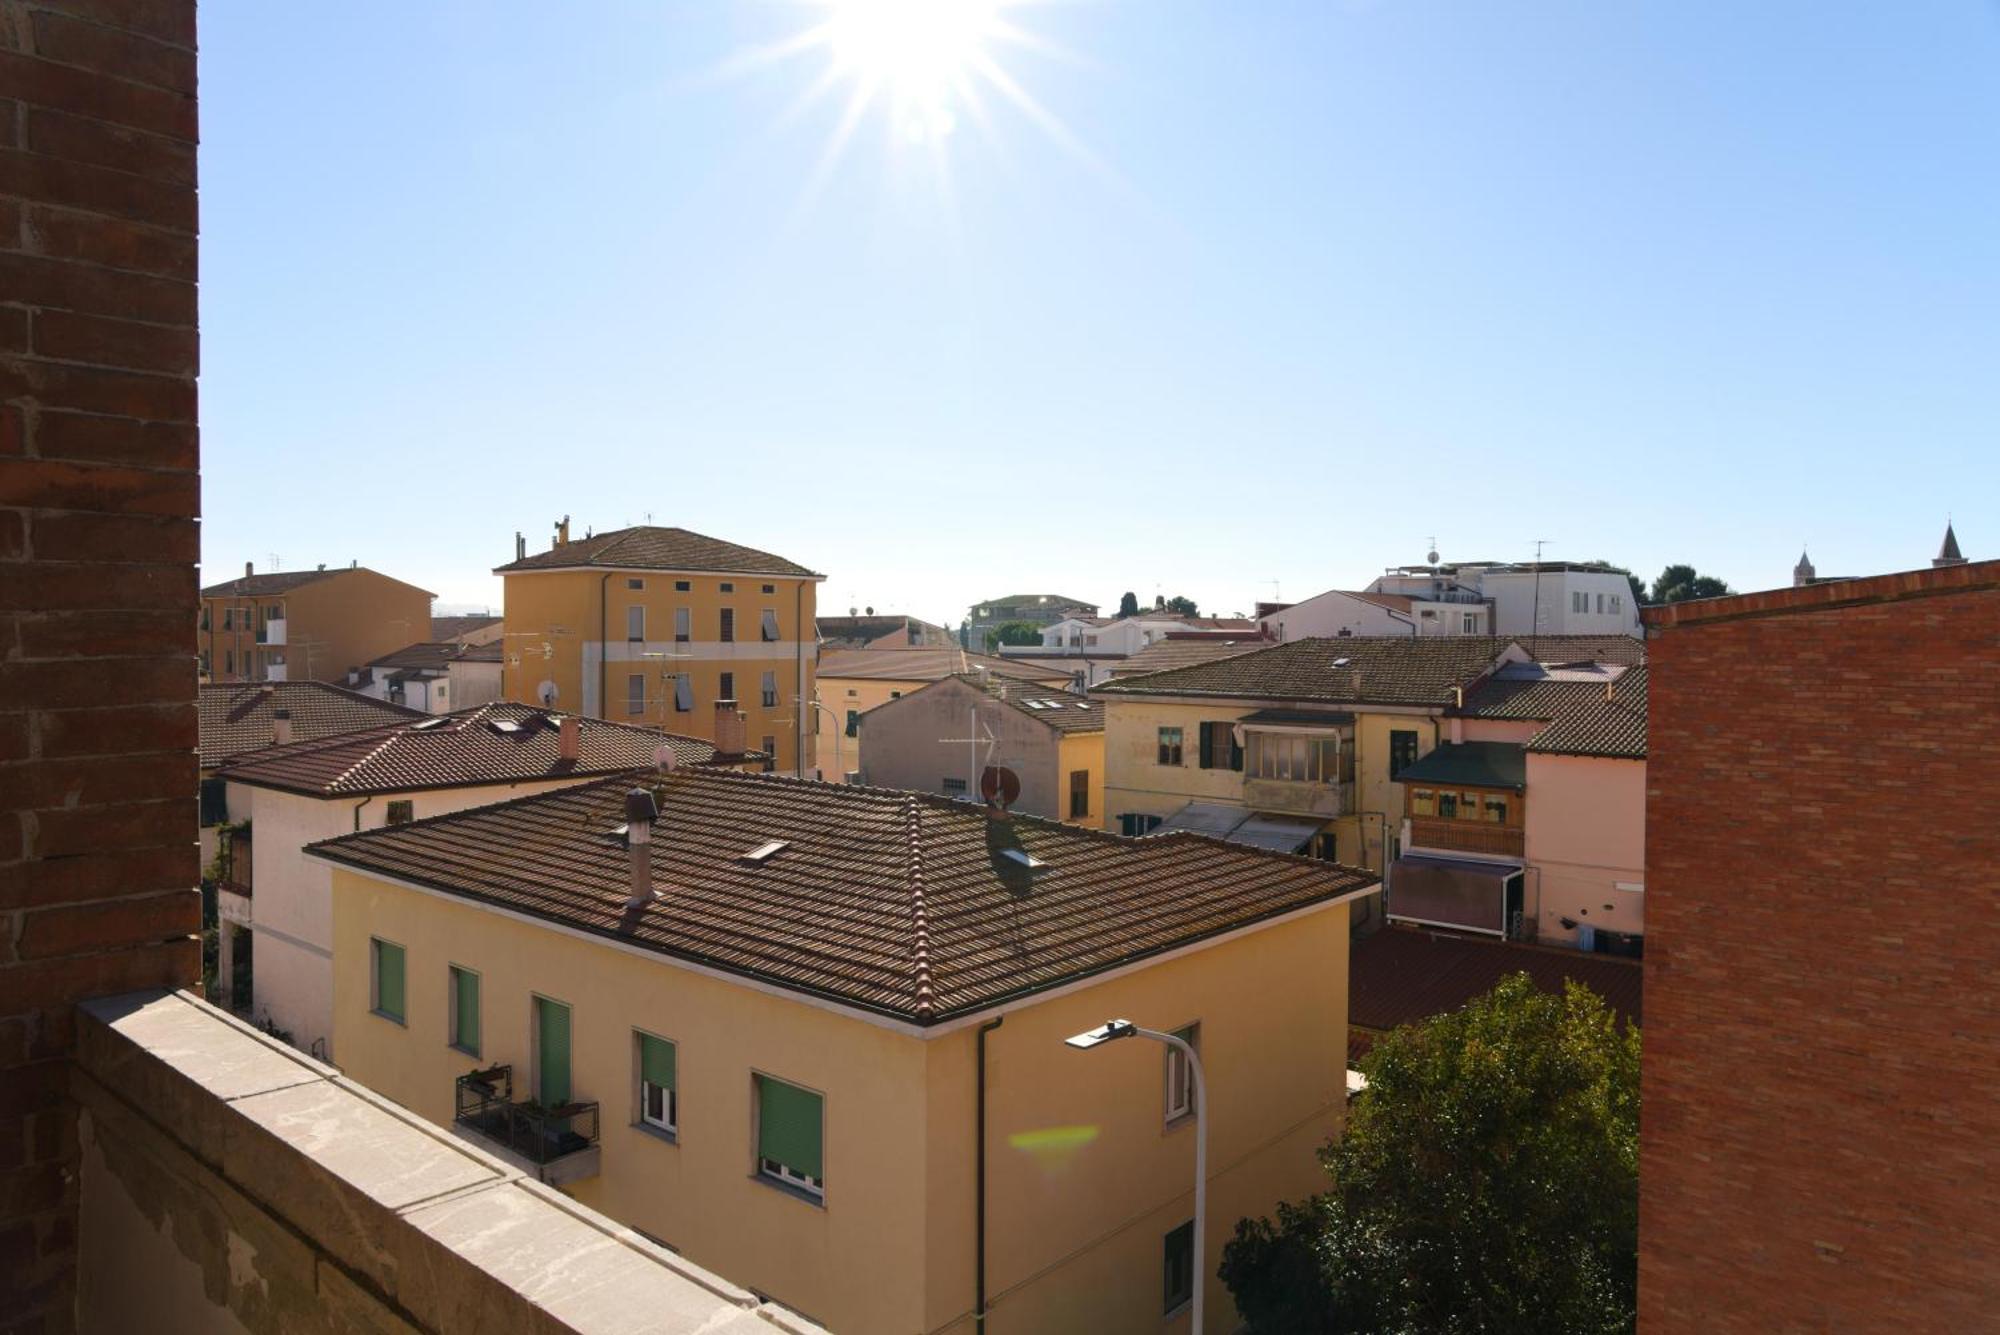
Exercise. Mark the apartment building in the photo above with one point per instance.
(1522, 597)
(814, 1033)
(654, 626)
(983, 620)
(1823, 1042)
(945, 737)
(304, 625)
(434, 677)
(1094, 647)
(851, 682)
(298, 793)
(1443, 611)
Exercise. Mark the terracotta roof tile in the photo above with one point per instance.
(438, 655)
(903, 904)
(919, 664)
(238, 718)
(451, 627)
(652, 548)
(1400, 975)
(1614, 728)
(1168, 654)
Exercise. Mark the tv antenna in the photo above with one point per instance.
(976, 733)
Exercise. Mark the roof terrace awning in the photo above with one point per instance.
(1448, 892)
(1282, 834)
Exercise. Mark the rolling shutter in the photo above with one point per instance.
(788, 1126)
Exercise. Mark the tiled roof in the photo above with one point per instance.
(439, 655)
(237, 718)
(1165, 655)
(1038, 600)
(1400, 975)
(1623, 649)
(1613, 728)
(450, 628)
(1065, 711)
(1478, 764)
(648, 548)
(258, 586)
(903, 904)
(457, 750)
(914, 664)
(1357, 669)
(885, 632)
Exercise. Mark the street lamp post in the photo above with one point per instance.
(1112, 1030)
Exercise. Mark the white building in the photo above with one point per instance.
(1095, 646)
(435, 678)
(1350, 612)
(1527, 597)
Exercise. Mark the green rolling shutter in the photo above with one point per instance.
(788, 1126)
(656, 1061)
(389, 979)
(465, 1009)
(552, 1052)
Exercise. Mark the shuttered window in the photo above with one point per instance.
(658, 1092)
(388, 979)
(465, 1010)
(551, 1052)
(682, 625)
(789, 1130)
(728, 626)
(770, 624)
(770, 696)
(635, 693)
(683, 692)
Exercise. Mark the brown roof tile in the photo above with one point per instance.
(1168, 654)
(902, 904)
(918, 664)
(1064, 711)
(1401, 975)
(451, 627)
(1614, 728)
(438, 655)
(457, 750)
(651, 548)
(238, 718)
(1352, 669)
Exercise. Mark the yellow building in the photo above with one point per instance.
(812, 1035)
(654, 625)
(854, 681)
(305, 625)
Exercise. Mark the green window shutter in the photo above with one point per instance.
(1208, 746)
(389, 979)
(465, 1009)
(552, 1052)
(656, 1061)
(788, 1126)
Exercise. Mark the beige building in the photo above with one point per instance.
(889, 631)
(813, 1035)
(305, 625)
(654, 626)
(945, 737)
(853, 681)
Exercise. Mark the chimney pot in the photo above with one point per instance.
(641, 810)
(249, 568)
(730, 731)
(569, 735)
(281, 727)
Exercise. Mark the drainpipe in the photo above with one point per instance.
(799, 669)
(603, 647)
(979, 1190)
(357, 809)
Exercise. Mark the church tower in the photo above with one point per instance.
(1802, 573)
(1948, 555)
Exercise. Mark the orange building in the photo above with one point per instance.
(305, 625)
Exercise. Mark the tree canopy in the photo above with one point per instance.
(1487, 1182)
(1128, 605)
(1184, 606)
(1015, 632)
(1678, 583)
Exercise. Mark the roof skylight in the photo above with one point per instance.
(767, 850)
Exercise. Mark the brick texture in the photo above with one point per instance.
(1822, 1073)
(99, 497)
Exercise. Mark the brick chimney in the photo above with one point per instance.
(729, 728)
(281, 727)
(640, 813)
(249, 569)
(569, 737)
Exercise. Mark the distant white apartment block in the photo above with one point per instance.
(1470, 598)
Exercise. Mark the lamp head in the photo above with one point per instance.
(1104, 1033)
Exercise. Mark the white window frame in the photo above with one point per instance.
(669, 1121)
(683, 693)
(770, 1168)
(683, 624)
(1178, 1076)
(635, 621)
(1471, 623)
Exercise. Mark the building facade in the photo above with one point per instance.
(1524, 597)
(1447, 611)
(305, 625)
(852, 682)
(1823, 1043)
(436, 678)
(983, 620)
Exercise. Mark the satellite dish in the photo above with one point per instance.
(547, 693)
(1433, 556)
(664, 757)
(1000, 786)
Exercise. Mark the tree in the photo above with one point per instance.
(1488, 1181)
(1016, 632)
(1639, 598)
(1128, 605)
(1185, 606)
(1678, 583)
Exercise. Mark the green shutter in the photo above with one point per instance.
(788, 1126)
(389, 979)
(552, 1052)
(1208, 746)
(465, 1009)
(656, 1061)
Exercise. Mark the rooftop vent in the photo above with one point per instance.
(1342, 662)
(767, 850)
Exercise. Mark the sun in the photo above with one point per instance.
(910, 47)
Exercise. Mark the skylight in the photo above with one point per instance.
(503, 725)
(427, 724)
(1024, 857)
(767, 850)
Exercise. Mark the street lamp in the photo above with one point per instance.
(1112, 1030)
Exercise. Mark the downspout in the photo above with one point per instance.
(357, 809)
(603, 647)
(979, 1190)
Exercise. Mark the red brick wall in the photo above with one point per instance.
(1820, 1146)
(98, 497)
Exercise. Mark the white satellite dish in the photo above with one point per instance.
(664, 757)
(547, 693)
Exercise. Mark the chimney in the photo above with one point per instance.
(281, 727)
(562, 531)
(248, 569)
(569, 737)
(640, 813)
(729, 728)
(520, 546)
(1607, 689)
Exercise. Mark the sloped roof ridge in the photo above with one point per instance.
(920, 928)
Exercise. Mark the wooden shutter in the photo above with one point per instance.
(552, 1052)
(1208, 746)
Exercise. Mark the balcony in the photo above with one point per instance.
(558, 1145)
(1464, 836)
(1296, 797)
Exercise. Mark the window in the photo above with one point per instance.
(1079, 794)
(1296, 758)
(387, 967)
(551, 1053)
(1218, 747)
(465, 1010)
(1447, 806)
(1326, 846)
(726, 687)
(770, 588)
(770, 750)
(1402, 750)
(727, 587)
(1616, 603)
(635, 583)
(1600, 603)
(401, 812)
(1496, 810)
(953, 787)
(683, 629)
(1468, 806)
(1579, 602)
(853, 723)
(214, 801)
(770, 690)
(1178, 1268)
(204, 616)
(635, 622)
(682, 586)
(683, 693)
(895, 695)
(1469, 623)
(1170, 746)
(229, 660)
(635, 693)
(1135, 823)
(204, 659)
(728, 630)
(770, 625)
(658, 1103)
(790, 1128)
(1423, 802)
(229, 618)
(1180, 1077)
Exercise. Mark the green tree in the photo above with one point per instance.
(1128, 605)
(1679, 583)
(1018, 632)
(1488, 1182)
(1185, 606)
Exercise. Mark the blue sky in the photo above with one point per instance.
(1290, 289)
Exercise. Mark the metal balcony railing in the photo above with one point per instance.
(483, 1101)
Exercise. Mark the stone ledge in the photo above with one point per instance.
(376, 1218)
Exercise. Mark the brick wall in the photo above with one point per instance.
(1820, 1145)
(98, 497)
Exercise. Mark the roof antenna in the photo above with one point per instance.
(1432, 557)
